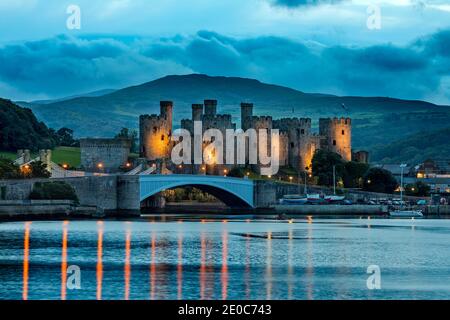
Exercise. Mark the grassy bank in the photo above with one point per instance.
(67, 155)
(8, 155)
(60, 155)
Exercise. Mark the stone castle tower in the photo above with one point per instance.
(249, 121)
(155, 133)
(301, 142)
(207, 114)
(337, 136)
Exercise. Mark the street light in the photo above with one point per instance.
(65, 167)
(290, 178)
(306, 171)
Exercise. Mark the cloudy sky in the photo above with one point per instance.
(327, 46)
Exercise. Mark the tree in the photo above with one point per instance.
(236, 172)
(8, 170)
(379, 180)
(19, 129)
(322, 166)
(127, 134)
(354, 174)
(38, 169)
(55, 190)
(418, 189)
(65, 138)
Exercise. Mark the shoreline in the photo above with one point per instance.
(177, 217)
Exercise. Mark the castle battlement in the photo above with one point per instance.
(297, 141)
(336, 121)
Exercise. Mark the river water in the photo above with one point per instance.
(179, 258)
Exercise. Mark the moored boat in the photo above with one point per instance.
(406, 214)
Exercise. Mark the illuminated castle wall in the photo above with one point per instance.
(297, 142)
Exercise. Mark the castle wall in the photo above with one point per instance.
(297, 142)
(337, 135)
(110, 153)
(284, 149)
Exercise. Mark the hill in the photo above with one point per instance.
(376, 120)
(19, 129)
(415, 148)
(89, 94)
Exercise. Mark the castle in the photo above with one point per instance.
(297, 142)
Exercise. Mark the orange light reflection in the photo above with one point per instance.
(152, 268)
(99, 260)
(269, 266)
(202, 266)
(26, 256)
(127, 269)
(64, 261)
(224, 271)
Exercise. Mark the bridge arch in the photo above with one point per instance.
(234, 192)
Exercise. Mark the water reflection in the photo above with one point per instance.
(153, 266)
(99, 268)
(202, 265)
(180, 268)
(247, 267)
(220, 260)
(290, 263)
(224, 270)
(127, 268)
(269, 266)
(309, 258)
(26, 255)
(64, 260)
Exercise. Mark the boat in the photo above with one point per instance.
(402, 213)
(298, 201)
(334, 198)
(406, 214)
(295, 199)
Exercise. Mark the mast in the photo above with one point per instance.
(334, 180)
(402, 166)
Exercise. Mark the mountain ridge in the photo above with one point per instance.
(121, 108)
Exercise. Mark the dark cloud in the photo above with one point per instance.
(66, 65)
(304, 3)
